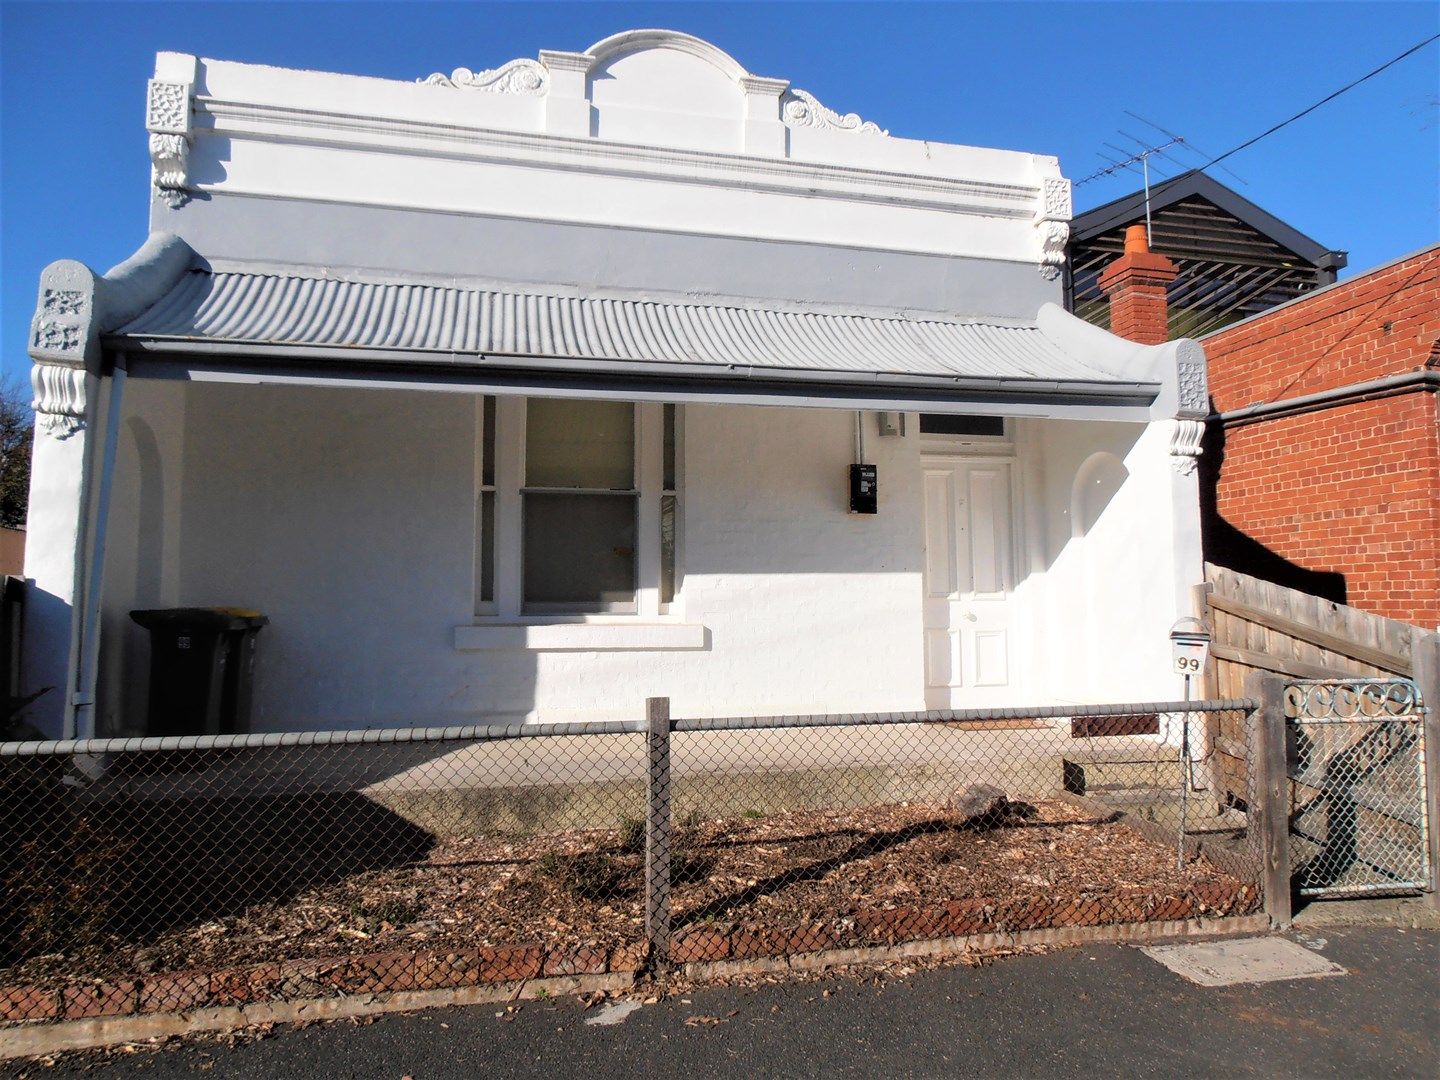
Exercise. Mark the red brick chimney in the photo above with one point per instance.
(1135, 283)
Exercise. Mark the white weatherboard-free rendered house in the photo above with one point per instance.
(534, 391)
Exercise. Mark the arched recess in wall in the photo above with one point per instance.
(1097, 481)
(134, 577)
(149, 513)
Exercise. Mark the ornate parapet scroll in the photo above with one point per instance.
(801, 109)
(529, 78)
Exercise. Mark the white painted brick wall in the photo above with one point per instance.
(346, 516)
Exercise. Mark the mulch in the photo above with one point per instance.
(583, 889)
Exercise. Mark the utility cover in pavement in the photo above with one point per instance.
(1244, 960)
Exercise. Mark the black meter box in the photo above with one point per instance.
(864, 490)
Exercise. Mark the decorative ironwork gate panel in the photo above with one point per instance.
(1356, 754)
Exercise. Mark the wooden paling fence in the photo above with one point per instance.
(1258, 626)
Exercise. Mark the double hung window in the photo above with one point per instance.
(578, 507)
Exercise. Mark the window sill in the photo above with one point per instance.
(589, 633)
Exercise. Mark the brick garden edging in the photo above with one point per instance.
(95, 1014)
(964, 918)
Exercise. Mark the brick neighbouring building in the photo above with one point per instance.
(1322, 463)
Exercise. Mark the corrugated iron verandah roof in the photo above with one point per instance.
(270, 309)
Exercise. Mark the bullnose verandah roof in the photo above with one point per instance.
(274, 308)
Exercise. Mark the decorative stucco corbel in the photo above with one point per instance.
(59, 398)
(1053, 221)
(1185, 443)
(75, 306)
(63, 341)
(167, 119)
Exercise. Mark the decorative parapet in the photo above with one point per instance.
(1191, 383)
(1053, 221)
(167, 119)
(62, 330)
(529, 78)
(801, 109)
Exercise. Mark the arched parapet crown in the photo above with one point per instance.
(629, 41)
(570, 84)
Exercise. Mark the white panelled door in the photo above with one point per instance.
(969, 579)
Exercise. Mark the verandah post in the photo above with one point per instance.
(657, 828)
(1270, 793)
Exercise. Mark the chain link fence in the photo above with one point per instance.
(171, 874)
(1358, 815)
(800, 833)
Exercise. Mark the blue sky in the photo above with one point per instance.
(1361, 174)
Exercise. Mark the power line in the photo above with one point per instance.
(1328, 98)
(1284, 123)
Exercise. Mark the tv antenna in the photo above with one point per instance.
(1142, 159)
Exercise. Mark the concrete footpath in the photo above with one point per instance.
(1098, 1011)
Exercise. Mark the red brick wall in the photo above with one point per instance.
(1334, 338)
(1352, 489)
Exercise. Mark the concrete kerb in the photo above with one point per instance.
(35, 1040)
(40, 1039)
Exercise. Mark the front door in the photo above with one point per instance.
(969, 579)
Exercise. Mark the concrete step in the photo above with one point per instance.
(1083, 777)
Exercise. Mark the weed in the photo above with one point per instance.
(632, 836)
(391, 910)
(687, 867)
(591, 875)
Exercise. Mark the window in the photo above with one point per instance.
(578, 507)
(956, 424)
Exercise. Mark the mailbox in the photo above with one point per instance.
(1189, 646)
(864, 497)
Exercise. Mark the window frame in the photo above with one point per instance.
(509, 490)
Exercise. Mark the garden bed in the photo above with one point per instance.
(487, 909)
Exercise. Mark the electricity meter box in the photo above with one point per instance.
(864, 491)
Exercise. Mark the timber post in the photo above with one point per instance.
(1425, 654)
(1270, 794)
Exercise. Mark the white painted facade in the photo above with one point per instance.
(1046, 565)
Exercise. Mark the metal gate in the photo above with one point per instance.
(1356, 756)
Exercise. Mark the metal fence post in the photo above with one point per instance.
(1425, 654)
(657, 828)
(1270, 793)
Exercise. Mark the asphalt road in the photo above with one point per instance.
(1096, 1011)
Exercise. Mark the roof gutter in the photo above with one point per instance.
(153, 355)
(1389, 386)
